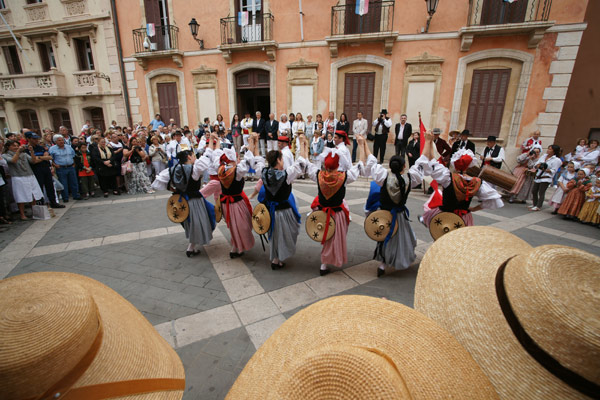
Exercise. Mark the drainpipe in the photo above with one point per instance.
(301, 24)
(113, 7)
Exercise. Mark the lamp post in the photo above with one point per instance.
(194, 29)
(431, 7)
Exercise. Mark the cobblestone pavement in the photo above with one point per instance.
(216, 311)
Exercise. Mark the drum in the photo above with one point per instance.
(473, 171)
(315, 226)
(443, 223)
(261, 219)
(497, 177)
(177, 208)
(377, 225)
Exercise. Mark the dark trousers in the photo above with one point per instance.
(379, 146)
(354, 147)
(68, 177)
(86, 184)
(400, 149)
(3, 210)
(107, 183)
(538, 191)
(44, 179)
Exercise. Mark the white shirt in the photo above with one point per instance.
(247, 124)
(287, 157)
(554, 164)
(345, 158)
(298, 125)
(500, 156)
(359, 127)
(175, 147)
(329, 122)
(284, 128)
(386, 121)
(401, 132)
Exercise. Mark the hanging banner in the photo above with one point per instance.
(150, 30)
(362, 7)
(243, 18)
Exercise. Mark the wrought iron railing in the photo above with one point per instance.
(379, 18)
(498, 12)
(258, 28)
(164, 38)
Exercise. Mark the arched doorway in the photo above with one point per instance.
(96, 116)
(60, 117)
(252, 92)
(29, 120)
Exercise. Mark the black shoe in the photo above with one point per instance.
(380, 272)
(66, 201)
(57, 205)
(324, 272)
(189, 253)
(275, 267)
(554, 212)
(77, 198)
(235, 255)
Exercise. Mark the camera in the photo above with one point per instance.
(543, 166)
(532, 152)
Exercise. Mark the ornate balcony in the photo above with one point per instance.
(42, 84)
(90, 83)
(349, 27)
(36, 12)
(164, 44)
(256, 35)
(498, 18)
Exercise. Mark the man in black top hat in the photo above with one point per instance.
(41, 170)
(463, 142)
(493, 154)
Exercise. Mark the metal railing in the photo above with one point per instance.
(379, 18)
(258, 29)
(498, 12)
(165, 38)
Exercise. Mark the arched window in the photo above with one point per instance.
(29, 119)
(60, 117)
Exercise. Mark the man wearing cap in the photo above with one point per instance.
(283, 142)
(403, 132)
(442, 147)
(381, 127)
(530, 143)
(493, 154)
(42, 170)
(463, 142)
(176, 145)
(258, 126)
(63, 157)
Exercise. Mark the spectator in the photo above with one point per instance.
(298, 126)
(157, 122)
(316, 146)
(64, 164)
(381, 128)
(4, 218)
(105, 159)
(246, 128)
(343, 124)
(403, 132)
(64, 132)
(530, 143)
(25, 188)
(236, 132)
(75, 143)
(329, 141)
(359, 129)
(258, 126)
(310, 127)
(547, 166)
(562, 189)
(172, 124)
(413, 149)
(117, 145)
(590, 155)
(589, 212)
(272, 129)
(219, 125)
(85, 126)
(48, 140)
(157, 154)
(42, 169)
(84, 169)
(525, 172)
(575, 198)
(285, 128)
(330, 123)
(137, 180)
(292, 118)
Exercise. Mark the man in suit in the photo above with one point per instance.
(442, 147)
(403, 133)
(258, 126)
(272, 132)
(463, 142)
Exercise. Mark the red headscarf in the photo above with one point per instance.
(463, 163)
(332, 162)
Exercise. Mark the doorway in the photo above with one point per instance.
(157, 13)
(359, 90)
(96, 116)
(60, 117)
(253, 92)
(168, 101)
(249, 27)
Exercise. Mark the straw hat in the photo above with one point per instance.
(261, 219)
(443, 223)
(493, 292)
(177, 208)
(378, 224)
(358, 347)
(69, 334)
(315, 226)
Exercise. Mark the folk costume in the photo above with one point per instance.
(560, 194)
(530, 143)
(458, 188)
(186, 180)
(495, 152)
(575, 198)
(276, 195)
(236, 205)
(589, 212)
(331, 185)
(213, 187)
(389, 192)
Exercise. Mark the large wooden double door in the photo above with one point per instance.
(359, 89)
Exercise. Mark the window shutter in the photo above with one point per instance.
(486, 101)
(44, 56)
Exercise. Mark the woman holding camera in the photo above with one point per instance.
(546, 167)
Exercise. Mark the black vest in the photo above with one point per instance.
(494, 154)
(193, 188)
(451, 203)
(282, 194)
(386, 201)
(235, 189)
(337, 199)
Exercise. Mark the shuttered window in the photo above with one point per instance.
(46, 56)
(29, 120)
(85, 59)
(503, 12)
(486, 103)
(12, 60)
(359, 89)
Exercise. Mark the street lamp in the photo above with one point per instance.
(194, 28)
(431, 7)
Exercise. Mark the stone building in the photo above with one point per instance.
(495, 67)
(68, 70)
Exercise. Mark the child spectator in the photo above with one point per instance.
(572, 204)
(562, 190)
(84, 171)
(589, 212)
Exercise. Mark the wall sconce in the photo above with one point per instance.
(431, 7)
(194, 28)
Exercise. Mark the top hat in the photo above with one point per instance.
(491, 138)
(466, 132)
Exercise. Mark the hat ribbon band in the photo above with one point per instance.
(545, 359)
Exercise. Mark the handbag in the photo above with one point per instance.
(370, 137)
(40, 212)
(126, 166)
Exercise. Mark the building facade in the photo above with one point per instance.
(491, 66)
(62, 69)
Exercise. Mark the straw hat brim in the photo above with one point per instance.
(432, 364)
(131, 348)
(456, 288)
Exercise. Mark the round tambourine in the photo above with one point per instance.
(261, 219)
(443, 223)
(315, 226)
(218, 210)
(177, 208)
(378, 224)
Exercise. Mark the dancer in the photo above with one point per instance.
(185, 179)
(390, 193)
(285, 218)
(458, 188)
(236, 205)
(331, 185)
(212, 149)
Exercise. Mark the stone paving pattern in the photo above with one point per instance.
(216, 311)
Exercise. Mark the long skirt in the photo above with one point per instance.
(399, 252)
(25, 189)
(525, 193)
(197, 227)
(138, 181)
(428, 216)
(589, 212)
(572, 203)
(557, 198)
(334, 250)
(519, 172)
(285, 235)
(240, 226)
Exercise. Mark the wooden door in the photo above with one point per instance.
(97, 117)
(368, 23)
(168, 101)
(501, 12)
(29, 120)
(359, 89)
(486, 102)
